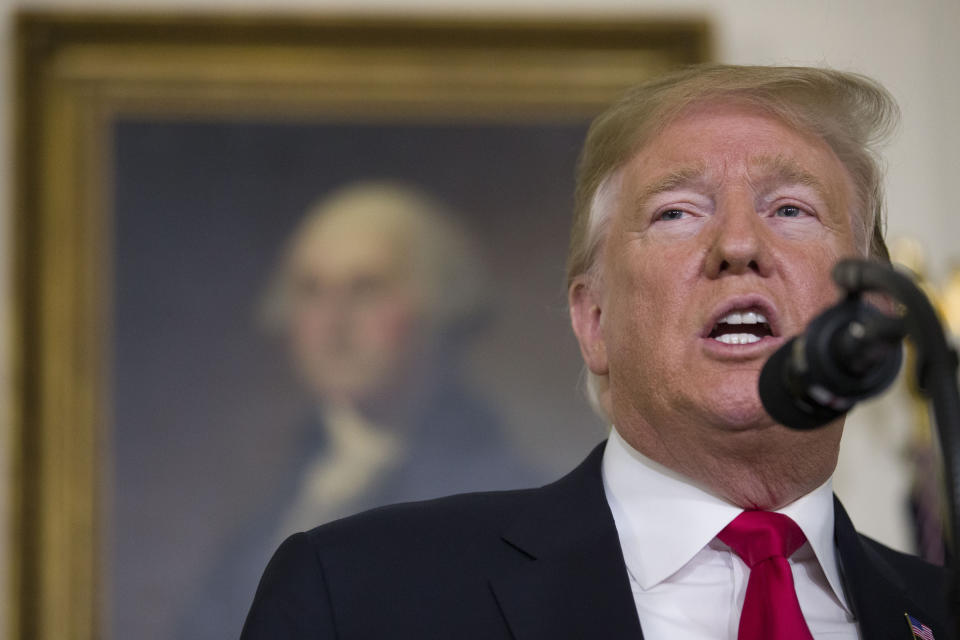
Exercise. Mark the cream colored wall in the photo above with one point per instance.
(910, 46)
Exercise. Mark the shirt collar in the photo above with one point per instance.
(657, 508)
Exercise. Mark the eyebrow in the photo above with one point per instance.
(682, 177)
(777, 169)
(784, 170)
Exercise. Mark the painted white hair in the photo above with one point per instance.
(447, 262)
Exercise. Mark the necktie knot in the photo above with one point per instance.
(756, 536)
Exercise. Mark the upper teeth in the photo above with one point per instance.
(738, 338)
(746, 317)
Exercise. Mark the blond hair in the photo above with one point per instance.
(853, 114)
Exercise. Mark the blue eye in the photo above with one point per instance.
(789, 211)
(671, 214)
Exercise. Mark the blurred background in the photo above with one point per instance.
(910, 47)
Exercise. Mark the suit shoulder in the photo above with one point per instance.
(392, 560)
(291, 599)
(904, 564)
(443, 521)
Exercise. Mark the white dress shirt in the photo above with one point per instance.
(689, 585)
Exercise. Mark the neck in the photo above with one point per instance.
(759, 468)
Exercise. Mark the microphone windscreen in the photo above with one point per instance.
(781, 396)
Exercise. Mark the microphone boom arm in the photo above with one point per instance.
(936, 377)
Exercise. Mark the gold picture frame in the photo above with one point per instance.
(76, 73)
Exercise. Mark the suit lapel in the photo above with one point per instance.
(877, 594)
(568, 579)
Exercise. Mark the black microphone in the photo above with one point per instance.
(849, 352)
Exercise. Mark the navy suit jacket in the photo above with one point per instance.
(536, 564)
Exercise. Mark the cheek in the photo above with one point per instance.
(644, 301)
(657, 280)
(307, 330)
(811, 287)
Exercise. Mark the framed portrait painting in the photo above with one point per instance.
(274, 270)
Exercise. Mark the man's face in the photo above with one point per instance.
(357, 314)
(727, 216)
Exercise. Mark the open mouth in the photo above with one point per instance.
(741, 327)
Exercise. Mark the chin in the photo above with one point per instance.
(739, 412)
(733, 399)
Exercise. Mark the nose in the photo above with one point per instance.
(326, 309)
(739, 243)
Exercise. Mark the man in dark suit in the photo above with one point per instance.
(711, 205)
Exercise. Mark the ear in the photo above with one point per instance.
(585, 316)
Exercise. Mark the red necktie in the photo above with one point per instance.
(764, 540)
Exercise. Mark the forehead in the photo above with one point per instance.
(718, 137)
(738, 133)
